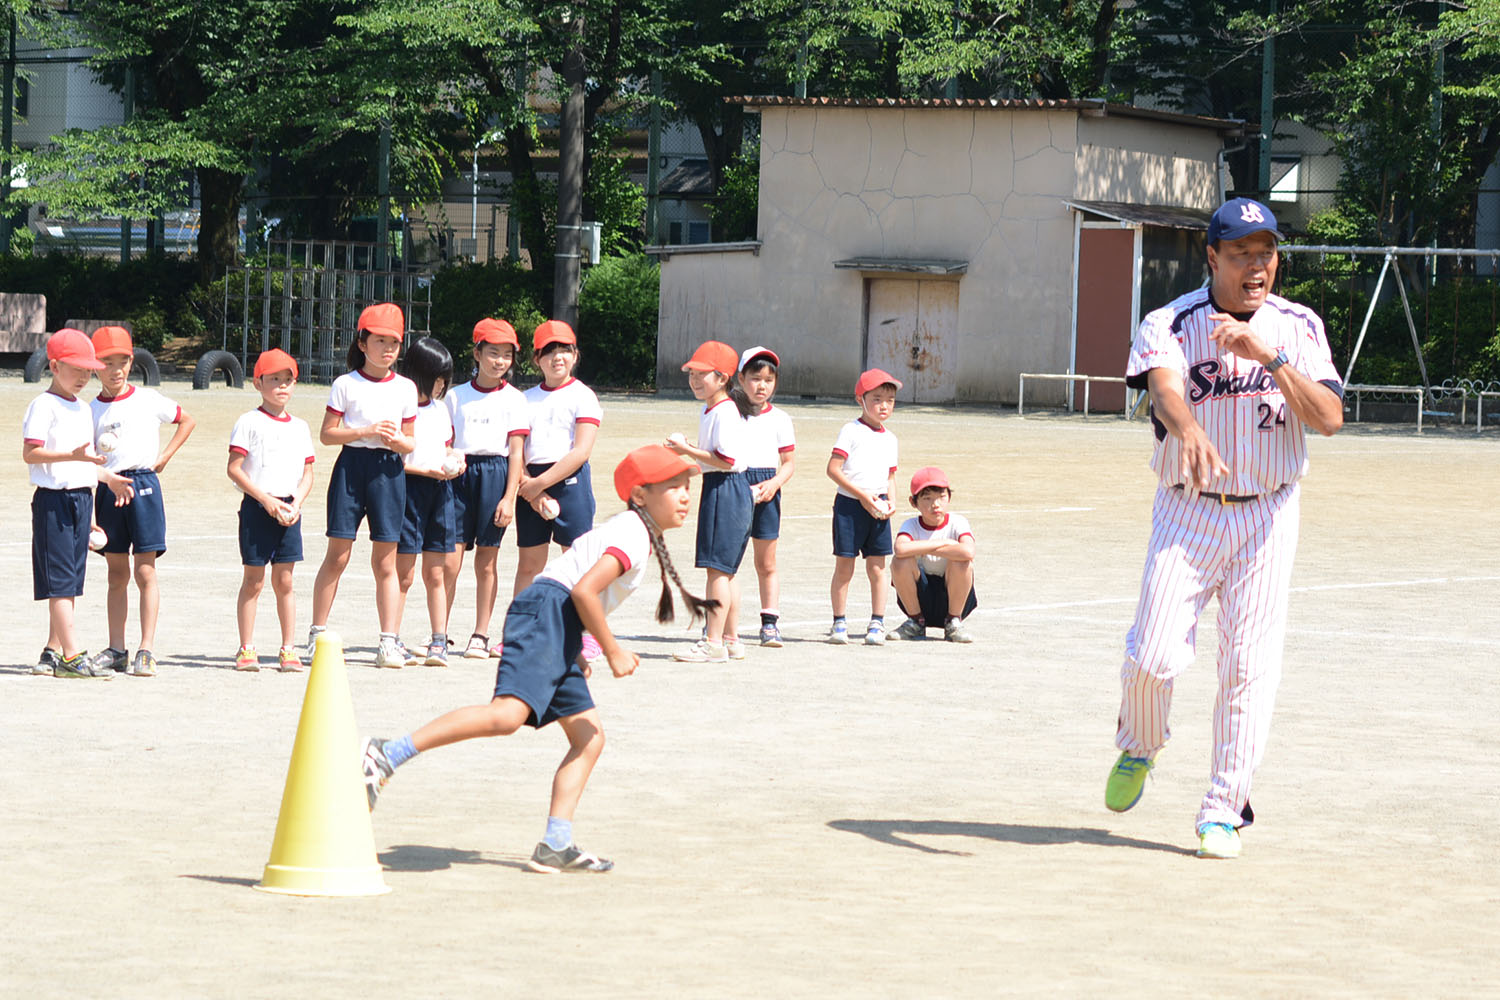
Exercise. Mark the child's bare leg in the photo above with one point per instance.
(406, 574)
(843, 572)
(60, 626)
(875, 570)
(960, 576)
(434, 577)
(904, 577)
(244, 608)
(145, 582)
(387, 587)
(286, 601)
(486, 586)
(765, 573)
(530, 560)
(501, 717)
(717, 589)
(117, 598)
(452, 566)
(585, 735)
(732, 617)
(326, 585)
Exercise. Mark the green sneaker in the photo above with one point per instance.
(80, 665)
(1218, 840)
(1127, 780)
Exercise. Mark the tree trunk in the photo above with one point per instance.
(570, 183)
(219, 222)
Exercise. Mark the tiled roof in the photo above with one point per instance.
(1092, 107)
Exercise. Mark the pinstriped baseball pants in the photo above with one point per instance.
(1242, 553)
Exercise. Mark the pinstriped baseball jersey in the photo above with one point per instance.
(1236, 401)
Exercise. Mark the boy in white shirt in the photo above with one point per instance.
(934, 566)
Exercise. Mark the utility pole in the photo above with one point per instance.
(383, 193)
(128, 114)
(566, 266)
(653, 158)
(1267, 95)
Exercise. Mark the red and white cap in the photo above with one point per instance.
(73, 347)
(928, 475)
(871, 379)
(647, 465)
(755, 353)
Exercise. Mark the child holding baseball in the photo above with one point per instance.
(430, 527)
(863, 466)
(726, 506)
(57, 435)
(127, 422)
(370, 414)
(934, 565)
(489, 430)
(769, 444)
(270, 462)
(541, 678)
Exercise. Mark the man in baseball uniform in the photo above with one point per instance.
(1236, 374)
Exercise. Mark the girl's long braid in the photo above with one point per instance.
(665, 612)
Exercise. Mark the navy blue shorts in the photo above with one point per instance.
(724, 513)
(429, 524)
(140, 525)
(857, 532)
(367, 482)
(932, 598)
(539, 663)
(765, 521)
(476, 494)
(575, 516)
(263, 539)
(60, 521)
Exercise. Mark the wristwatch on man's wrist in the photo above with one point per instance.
(1277, 361)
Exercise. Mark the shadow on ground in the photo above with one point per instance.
(896, 831)
(421, 858)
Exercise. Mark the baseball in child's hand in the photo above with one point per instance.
(452, 464)
(108, 442)
(548, 507)
(885, 507)
(98, 539)
(677, 438)
(286, 514)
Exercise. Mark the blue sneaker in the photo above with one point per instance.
(770, 636)
(1127, 782)
(839, 634)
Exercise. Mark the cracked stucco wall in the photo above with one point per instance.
(985, 186)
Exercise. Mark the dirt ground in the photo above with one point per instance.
(919, 820)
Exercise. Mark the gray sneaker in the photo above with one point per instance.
(80, 665)
(909, 630)
(47, 662)
(390, 654)
(377, 767)
(144, 665)
(111, 659)
(549, 860)
(312, 639)
(955, 631)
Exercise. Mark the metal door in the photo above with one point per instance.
(912, 332)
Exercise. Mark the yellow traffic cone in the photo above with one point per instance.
(324, 845)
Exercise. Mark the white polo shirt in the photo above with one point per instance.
(623, 536)
(955, 528)
(554, 416)
(363, 401)
(135, 416)
(276, 450)
(768, 436)
(484, 419)
(722, 431)
(869, 455)
(433, 432)
(59, 424)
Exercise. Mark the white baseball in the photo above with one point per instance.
(886, 507)
(108, 442)
(549, 507)
(677, 437)
(98, 539)
(452, 464)
(286, 516)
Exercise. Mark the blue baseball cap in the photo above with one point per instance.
(1240, 217)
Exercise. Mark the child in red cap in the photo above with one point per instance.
(934, 566)
(542, 677)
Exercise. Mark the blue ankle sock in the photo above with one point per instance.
(399, 751)
(559, 833)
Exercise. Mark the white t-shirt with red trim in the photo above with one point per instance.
(135, 416)
(59, 424)
(955, 528)
(554, 417)
(363, 401)
(433, 432)
(869, 455)
(722, 431)
(623, 536)
(484, 419)
(768, 436)
(276, 450)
